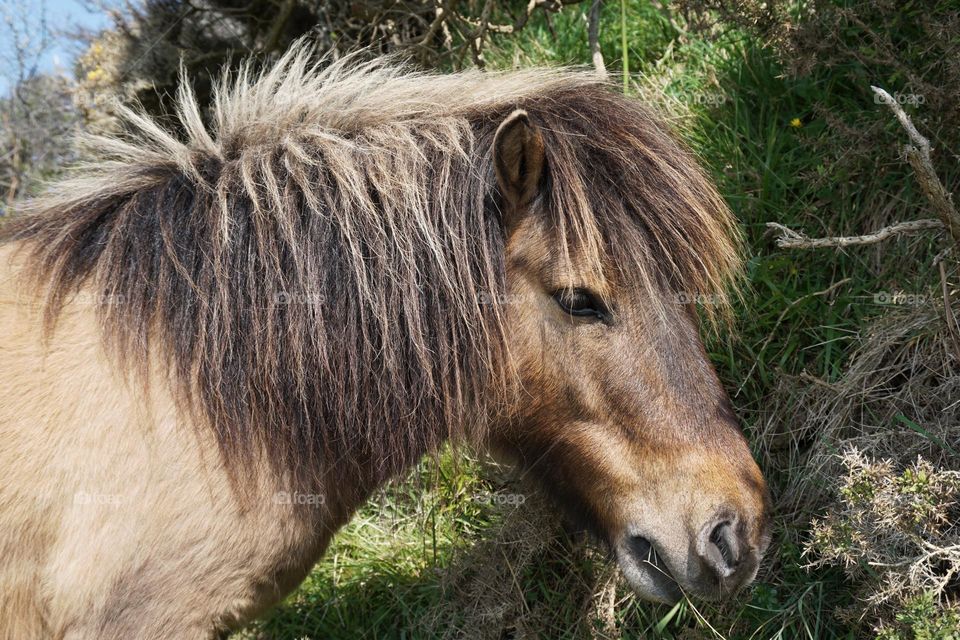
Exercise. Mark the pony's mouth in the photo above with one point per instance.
(646, 571)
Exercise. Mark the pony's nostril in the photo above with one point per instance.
(720, 537)
(721, 549)
(646, 553)
(641, 548)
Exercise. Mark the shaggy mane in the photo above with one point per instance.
(313, 265)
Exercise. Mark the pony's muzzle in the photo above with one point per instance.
(711, 562)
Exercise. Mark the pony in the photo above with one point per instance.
(220, 338)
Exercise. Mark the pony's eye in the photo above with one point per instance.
(581, 302)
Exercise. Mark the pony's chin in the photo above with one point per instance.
(645, 571)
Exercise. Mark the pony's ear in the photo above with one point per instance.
(519, 159)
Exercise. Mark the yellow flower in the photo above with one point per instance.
(94, 75)
(796, 123)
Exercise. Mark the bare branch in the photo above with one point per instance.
(904, 119)
(943, 255)
(790, 239)
(593, 34)
(441, 15)
(918, 155)
(276, 28)
(480, 34)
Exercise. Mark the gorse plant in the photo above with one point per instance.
(922, 618)
(896, 532)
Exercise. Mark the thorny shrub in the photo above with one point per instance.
(896, 531)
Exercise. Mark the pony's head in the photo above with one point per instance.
(619, 412)
(356, 263)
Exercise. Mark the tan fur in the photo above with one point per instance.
(351, 266)
(118, 520)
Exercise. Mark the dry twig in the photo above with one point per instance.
(593, 33)
(790, 239)
(918, 155)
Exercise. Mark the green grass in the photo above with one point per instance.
(730, 101)
(382, 572)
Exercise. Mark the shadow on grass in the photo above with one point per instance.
(387, 605)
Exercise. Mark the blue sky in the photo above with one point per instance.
(62, 15)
